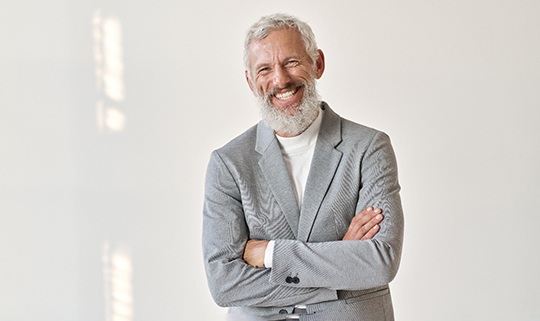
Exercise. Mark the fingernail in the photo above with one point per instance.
(379, 217)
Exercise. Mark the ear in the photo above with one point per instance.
(250, 84)
(319, 64)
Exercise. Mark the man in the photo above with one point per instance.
(293, 224)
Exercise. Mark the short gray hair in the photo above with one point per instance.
(260, 30)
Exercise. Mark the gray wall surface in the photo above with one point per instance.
(109, 111)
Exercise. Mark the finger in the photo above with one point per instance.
(371, 233)
(362, 219)
(366, 229)
(370, 224)
(360, 224)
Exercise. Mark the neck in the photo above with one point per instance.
(287, 135)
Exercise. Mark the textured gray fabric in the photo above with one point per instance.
(249, 195)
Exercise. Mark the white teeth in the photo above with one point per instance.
(286, 95)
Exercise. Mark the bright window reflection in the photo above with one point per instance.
(109, 73)
(118, 277)
(110, 117)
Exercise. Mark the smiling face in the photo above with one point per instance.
(282, 76)
(280, 68)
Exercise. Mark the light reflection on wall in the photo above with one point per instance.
(109, 73)
(118, 277)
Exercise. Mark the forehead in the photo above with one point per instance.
(279, 44)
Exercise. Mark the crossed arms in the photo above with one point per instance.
(363, 226)
(367, 254)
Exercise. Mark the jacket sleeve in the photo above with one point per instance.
(232, 282)
(352, 265)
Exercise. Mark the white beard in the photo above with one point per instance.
(291, 125)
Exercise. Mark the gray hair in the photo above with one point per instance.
(260, 30)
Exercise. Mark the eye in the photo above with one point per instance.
(292, 63)
(263, 70)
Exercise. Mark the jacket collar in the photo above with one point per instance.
(323, 168)
(324, 164)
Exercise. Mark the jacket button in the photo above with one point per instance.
(295, 280)
(289, 279)
(283, 311)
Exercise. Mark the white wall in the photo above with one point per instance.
(101, 179)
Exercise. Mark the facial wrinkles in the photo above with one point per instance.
(284, 90)
(266, 54)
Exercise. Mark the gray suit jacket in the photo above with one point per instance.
(249, 195)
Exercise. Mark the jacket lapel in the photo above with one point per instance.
(275, 172)
(324, 164)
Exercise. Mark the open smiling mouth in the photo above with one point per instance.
(288, 94)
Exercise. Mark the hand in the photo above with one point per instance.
(364, 225)
(254, 252)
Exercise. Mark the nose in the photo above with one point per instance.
(281, 77)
